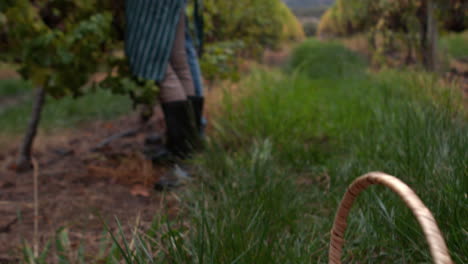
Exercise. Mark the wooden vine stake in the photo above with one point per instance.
(433, 235)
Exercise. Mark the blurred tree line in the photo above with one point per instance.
(416, 23)
(244, 28)
(60, 44)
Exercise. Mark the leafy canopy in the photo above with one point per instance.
(60, 44)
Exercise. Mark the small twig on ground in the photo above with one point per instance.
(36, 207)
(16, 204)
(7, 227)
(128, 133)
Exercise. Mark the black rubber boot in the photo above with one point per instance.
(163, 154)
(182, 137)
(197, 105)
(182, 134)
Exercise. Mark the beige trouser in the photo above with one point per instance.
(177, 83)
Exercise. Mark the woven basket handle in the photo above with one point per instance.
(434, 238)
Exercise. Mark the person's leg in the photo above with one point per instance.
(176, 88)
(179, 61)
(171, 89)
(179, 130)
(176, 110)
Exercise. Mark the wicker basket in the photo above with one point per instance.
(434, 238)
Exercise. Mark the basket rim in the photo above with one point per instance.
(426, 220)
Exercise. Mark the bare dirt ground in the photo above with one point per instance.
(7, 73)
(79, 189)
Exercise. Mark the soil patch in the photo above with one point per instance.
(79, 189)
(6, 74)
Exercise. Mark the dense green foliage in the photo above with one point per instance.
(61, 43)
(236, 29)
(257, 23)
(57, 51)
(408, 30)
(348, 17)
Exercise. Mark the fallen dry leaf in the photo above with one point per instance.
(12, 166)
(108, 125)
(6, 184)
(140, 190)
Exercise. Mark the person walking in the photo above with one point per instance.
(156, 49)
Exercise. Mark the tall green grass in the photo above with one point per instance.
(64, 113)
(284, 155)
(456, 44)
(13, 87)
(315, 59)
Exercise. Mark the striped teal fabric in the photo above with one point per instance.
(150, 33)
